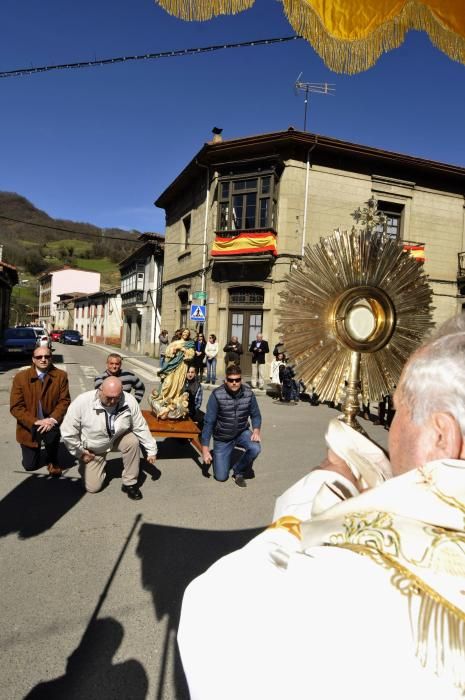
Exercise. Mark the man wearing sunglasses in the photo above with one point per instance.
(228, 411)
(39, 400)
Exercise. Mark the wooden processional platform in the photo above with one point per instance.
(183, 428)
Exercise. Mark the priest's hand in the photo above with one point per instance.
(335, 464)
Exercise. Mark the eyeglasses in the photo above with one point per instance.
(234, 380)
(41, 357)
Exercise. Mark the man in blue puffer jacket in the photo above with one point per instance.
(228, 411)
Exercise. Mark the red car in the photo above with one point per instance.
(55, 335)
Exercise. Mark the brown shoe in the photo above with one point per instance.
(55, 471)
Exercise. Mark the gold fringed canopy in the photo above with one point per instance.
(201, 10)
(350, 35)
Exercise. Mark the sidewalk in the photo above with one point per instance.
(142, 361)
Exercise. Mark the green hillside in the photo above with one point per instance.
(33, 241)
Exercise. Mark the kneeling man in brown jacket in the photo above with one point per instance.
(39, 400)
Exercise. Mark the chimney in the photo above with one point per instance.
(217, 138)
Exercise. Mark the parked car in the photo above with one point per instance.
(71, 338)
(18, 341)
(55, 336)
(41, 334)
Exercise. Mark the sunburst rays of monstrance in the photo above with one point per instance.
(353, 310)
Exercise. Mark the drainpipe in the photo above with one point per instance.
(205, 225)
(307, 176)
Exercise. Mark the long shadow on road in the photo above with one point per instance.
(37, 503)
(171, 558)
(90, 673)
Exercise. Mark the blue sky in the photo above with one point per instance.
(100, 144)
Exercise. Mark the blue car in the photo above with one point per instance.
(71, 338)
(18, 341)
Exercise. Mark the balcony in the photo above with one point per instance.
(243, 255)
(251, 244)
(416, 250)
(133, 298)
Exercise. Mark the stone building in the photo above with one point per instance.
(241, 212)
(141, 294)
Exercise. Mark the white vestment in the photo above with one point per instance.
(293, 617)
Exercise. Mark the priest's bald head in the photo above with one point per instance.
(429, 422)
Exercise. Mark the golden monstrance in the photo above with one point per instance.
(353, 309)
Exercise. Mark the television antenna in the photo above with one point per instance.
(321, 88)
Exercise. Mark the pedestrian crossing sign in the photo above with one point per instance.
(198, 312)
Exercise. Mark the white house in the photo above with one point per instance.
(59, 281)
(98, 317)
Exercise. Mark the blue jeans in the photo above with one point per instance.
(223, 453)
(211, 370)
(162, 361)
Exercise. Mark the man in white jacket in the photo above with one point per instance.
(107, 420)
(351, 593)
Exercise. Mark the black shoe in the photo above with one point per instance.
(249, 474)
(240, 481)
(133, 492)
(205, 470)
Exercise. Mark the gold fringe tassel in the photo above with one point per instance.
(201, 10)
(341, 56)
(438, 626)
(354, 56)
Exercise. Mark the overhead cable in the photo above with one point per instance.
(174, 53)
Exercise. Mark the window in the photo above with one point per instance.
(393, 212)
(187, 231)
(133, 278)
(247, 203)
(246, 295)
(184, 310)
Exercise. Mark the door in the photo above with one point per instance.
(245, 323)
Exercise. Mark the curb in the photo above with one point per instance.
(127, 358)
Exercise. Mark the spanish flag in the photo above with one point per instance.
(416, 251)
(245, 243)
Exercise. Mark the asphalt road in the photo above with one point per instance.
(92, 584)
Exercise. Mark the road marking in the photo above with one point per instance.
(143, 374)
(89, 371)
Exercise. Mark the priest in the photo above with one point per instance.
(357, 588)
